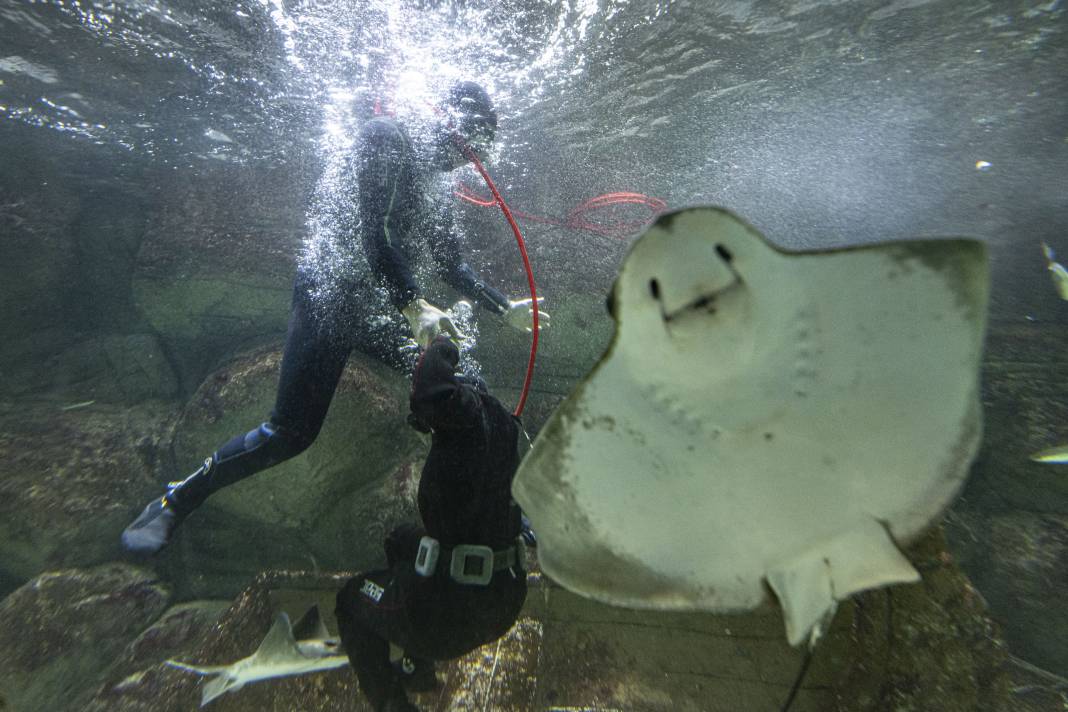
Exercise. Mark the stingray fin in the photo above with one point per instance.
(279, 643)
(809, 586)
(310, 626)
(219, 686)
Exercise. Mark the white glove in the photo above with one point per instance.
(521, 316)
(427, 321)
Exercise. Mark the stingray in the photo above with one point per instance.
(762, 419)
(286, 650)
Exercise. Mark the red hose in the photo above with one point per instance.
(576, 217)
(471, 156)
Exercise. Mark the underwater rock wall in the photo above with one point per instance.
(1009, 526)
(328, 508)
(37, 210)
(925, 646)
(68, 476)
(214, 268)
(59, 633)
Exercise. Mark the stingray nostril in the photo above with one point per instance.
(654, 288)
(724, 253)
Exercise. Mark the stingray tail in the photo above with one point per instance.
(198, 669)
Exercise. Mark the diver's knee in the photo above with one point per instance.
(296, 440)
(283, 441)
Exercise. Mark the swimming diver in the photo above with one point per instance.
(389, 175)
(458, 582)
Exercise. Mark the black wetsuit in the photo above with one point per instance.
(464, 498)
(332, 313)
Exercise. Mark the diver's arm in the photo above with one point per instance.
(439, 399)
(459, 275)
(378, 177)
(445, 246)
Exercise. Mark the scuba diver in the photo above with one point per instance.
(460, 582)
(377, 310)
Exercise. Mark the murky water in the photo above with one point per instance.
(163, 165)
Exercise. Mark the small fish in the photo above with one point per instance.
(76, 406)
(1057, 455)
(279, 655)
(1057, 270)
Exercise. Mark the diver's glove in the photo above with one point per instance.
(427, 322)
(520, 315)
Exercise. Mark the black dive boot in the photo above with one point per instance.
(242, 456)
(152, 530)
(417, 674)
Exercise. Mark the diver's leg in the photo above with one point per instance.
(368, 606)
(402, 545)
(311, 367)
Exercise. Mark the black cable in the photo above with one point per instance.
(797, 681)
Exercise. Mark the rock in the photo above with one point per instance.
(39, 257)
(1009, 526)
(926, 646)
(108, 232)
(106, 368)
(69, 480)
(178, 634)
(213, 273)
(59, 632)
(502, 675)
(1019, 560)
(324, 508)
(237, 635)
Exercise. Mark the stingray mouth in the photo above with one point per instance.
(706, 302)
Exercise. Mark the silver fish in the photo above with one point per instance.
(1057, 455)
(1057, 271)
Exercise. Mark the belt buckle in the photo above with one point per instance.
(426, 559)
(471, 564)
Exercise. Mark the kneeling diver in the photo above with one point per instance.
(457, 582)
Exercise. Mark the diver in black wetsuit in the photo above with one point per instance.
(460, 582)
(331, 315)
